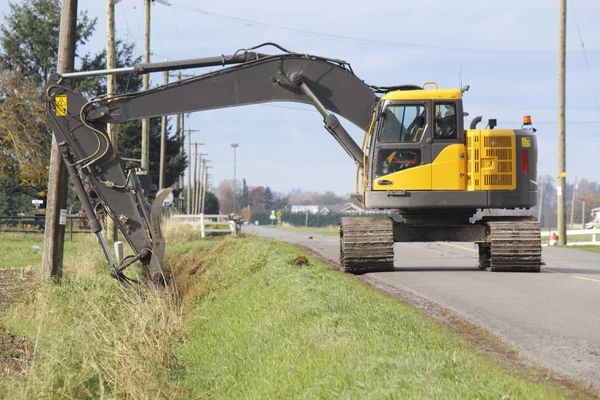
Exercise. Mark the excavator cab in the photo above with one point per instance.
(416, 134)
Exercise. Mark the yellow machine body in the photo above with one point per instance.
(486, 160)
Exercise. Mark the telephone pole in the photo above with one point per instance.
(189, 177)
(180, 125)
(541, 203)
(235, 146)
(562, 167)
(193, 196)
(54, 234)
(573, 201)
(163, 142)
(179, 136)
(198, 185)
(146, 82)
(111, 129)
(146, 78)
(204, 184)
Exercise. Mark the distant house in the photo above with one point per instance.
(344, 209)
(305, 209)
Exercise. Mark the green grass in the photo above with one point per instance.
(262, 327)
(16, 249)
(327, 230)
(248, 323)
(594, 248)
(571, 238)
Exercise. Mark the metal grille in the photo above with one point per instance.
(492, 158)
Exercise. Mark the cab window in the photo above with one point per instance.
(445, 121)
(403, 123)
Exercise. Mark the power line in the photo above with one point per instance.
(351, 39)
(507, 122)
(587, 65)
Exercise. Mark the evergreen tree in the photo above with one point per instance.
(268, 199)
(243, 199)
(29, 37)
(28, 53)
(211, 204)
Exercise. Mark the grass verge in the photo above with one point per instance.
(24, 250)
(262, 327)
(591, 247)
(247, 322)
(326, 230)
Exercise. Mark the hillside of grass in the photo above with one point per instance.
(240, 319)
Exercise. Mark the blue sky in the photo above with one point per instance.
(507, 52)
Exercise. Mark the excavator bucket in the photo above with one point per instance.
(158, 241)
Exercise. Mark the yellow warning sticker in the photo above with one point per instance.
(61, 105)
(526, 142)
(562, 175)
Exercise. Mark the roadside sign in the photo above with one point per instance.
(272, 216)
(278, 214)
(62, 220)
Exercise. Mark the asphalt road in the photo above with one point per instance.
(552, 318)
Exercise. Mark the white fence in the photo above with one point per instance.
(594, 232)
(221, 222)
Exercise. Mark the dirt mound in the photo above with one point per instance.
(13, 284)
(14, 352)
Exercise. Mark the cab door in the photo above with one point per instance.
(402, 147)
(449, 161)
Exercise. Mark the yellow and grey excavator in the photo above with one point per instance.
(416, 156)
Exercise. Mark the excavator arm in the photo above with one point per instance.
(80, 127)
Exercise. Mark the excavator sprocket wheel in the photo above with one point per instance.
(512, 245)
(366, 244)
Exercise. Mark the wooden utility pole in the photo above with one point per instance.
(163, 142)
(205, 178)
(198, 185)
(235, 146)
(562, 167)
(196, 176)
(181, 135)
(189, 178)
(573, 202)
(188, 197)
(541, 203)
(180, 127)
(195, 179)
(111, 129)
(54, 235)
(146, 121)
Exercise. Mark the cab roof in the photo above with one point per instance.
(425, 94)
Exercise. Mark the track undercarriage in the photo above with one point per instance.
(509, 244)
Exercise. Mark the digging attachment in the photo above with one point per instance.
(366, 245)
(158, 241)
(512, 245)
(151, 258)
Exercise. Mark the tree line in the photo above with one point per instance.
(587, 192)
(29, 40)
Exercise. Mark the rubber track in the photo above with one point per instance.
(366, 244)
(515, 245)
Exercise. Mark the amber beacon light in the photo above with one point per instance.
(527, 120)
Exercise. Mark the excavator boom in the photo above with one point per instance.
(252, 78)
